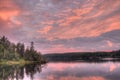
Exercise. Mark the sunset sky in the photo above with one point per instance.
(57, 26)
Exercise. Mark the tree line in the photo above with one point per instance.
(84, 56)
(12, 51)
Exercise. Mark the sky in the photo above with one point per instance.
(57, 26)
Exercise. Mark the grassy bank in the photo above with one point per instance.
(10, 62)
(20, 62)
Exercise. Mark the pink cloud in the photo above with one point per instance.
(110, 44)
(83, 30)
(84, 21)
(8, 9)
(60, 49)
(45, 30)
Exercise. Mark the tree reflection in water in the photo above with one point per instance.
(10, 72)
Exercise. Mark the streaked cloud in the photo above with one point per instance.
(45, 30)
(76, 25)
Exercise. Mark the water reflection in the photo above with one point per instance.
(80, 71)
(17, 72)
(62, 71)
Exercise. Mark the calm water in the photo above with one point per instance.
(62, 71)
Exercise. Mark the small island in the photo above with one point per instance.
(11, 53)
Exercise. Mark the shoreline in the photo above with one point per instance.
(20, 62)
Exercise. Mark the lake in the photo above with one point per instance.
(62, 71)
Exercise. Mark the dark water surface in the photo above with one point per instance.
(62, 71)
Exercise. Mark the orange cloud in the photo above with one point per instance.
(85, 29)
(73, 18)
(8, 9)
(16, 22)
(6, 15)
(110, 44)
(90, 20)
(8, 12)
(45, 30)
(82, 11)
(69, 20)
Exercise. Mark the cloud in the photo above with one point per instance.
(60, 49)
(76, 25)
(87, 21)
(8, 9)
(110, 44)
(45, 30)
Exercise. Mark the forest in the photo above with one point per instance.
(14, 52)
(84, 56)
